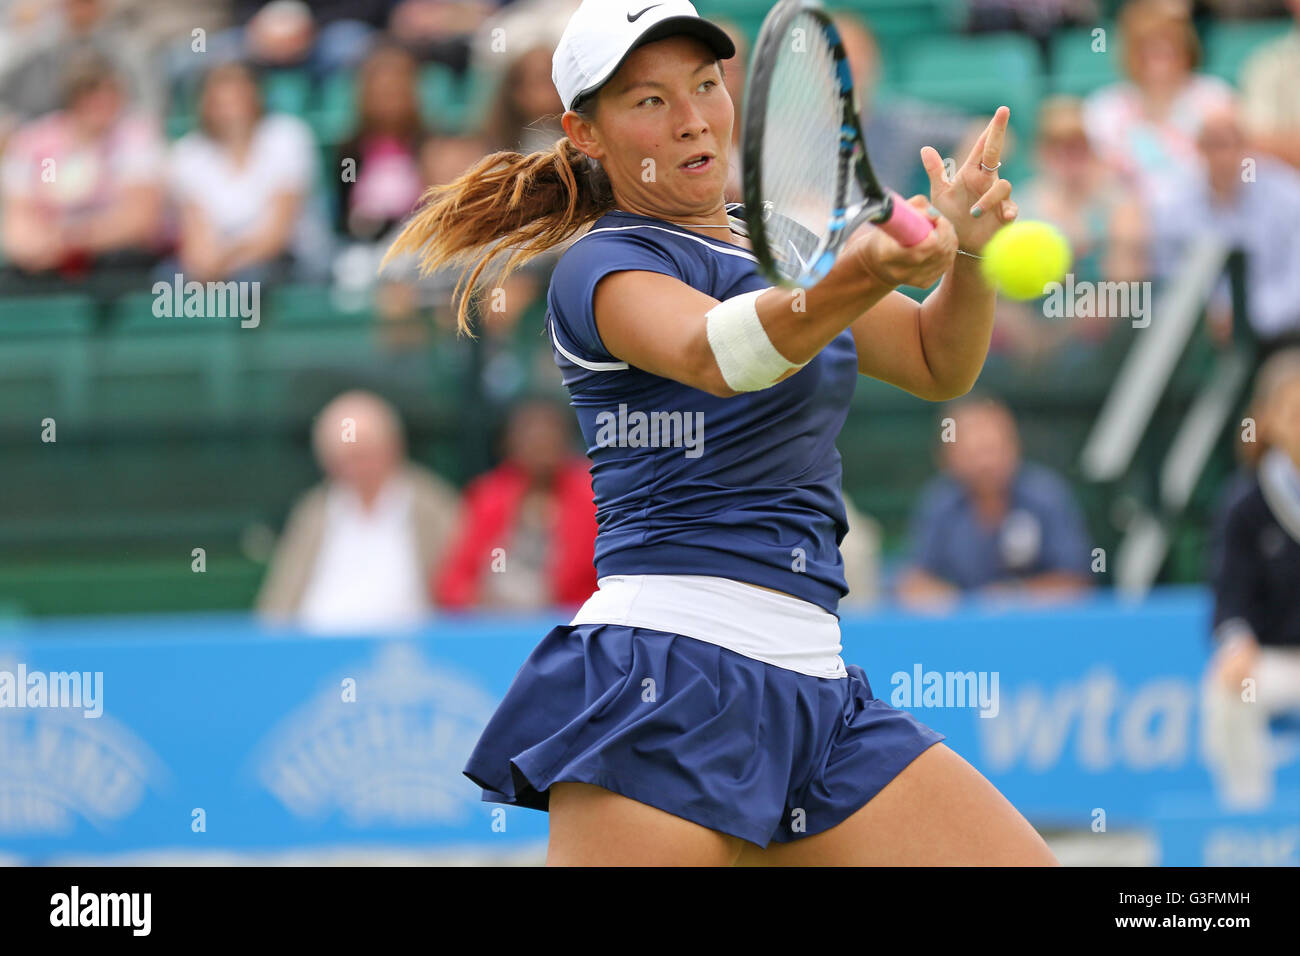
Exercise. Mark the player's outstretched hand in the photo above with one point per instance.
(976, 200)
(920, 265)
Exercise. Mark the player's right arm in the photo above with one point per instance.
(658, 323)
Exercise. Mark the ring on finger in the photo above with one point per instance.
(991, 169)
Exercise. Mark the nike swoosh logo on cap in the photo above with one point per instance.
(634, 18)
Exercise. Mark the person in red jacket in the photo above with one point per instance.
(527, 532)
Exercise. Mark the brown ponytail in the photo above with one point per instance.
(506, 203)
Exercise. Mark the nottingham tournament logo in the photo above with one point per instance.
(383, 746)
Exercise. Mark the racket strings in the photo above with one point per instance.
(801, 169)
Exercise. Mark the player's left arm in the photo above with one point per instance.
(936, 349)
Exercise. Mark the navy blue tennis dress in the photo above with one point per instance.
(678, 684)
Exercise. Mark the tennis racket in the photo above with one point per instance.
(808, 184)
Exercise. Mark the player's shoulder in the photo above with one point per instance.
(619, 230)
(615, 240)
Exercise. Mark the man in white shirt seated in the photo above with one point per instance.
(357, 551)
(1253, 203)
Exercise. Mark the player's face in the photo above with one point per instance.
(666, 106)
(1284, 419)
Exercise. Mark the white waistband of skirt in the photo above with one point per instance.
(773, 628)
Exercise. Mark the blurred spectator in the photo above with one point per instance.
(399, 288)
(734, 74)
(23, 24)
(33, 83)
(1103, 222)
(244, 183)
(1270, 84)
(525, 115)
(1038, 18)
(82, 187)
(159, 25)
(1256, 602)
(896, 127)
(530, 22)
(440, 30)
(322, 36)
(387, 180)
(1239, 9)
(357, 550)
(515, 357)
(528, 527)
(993, 524)
(1075, 192)
(1258, 216)
(1146, 126)
(445, 157)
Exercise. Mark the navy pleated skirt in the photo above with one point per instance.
(706, 734)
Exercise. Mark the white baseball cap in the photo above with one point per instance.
(601, 34)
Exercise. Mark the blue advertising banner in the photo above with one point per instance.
(201, 733)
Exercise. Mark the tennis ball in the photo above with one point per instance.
(1024, 257)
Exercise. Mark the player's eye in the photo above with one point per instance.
(709, 83)
(647, 100)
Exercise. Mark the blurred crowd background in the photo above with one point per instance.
(282, 144)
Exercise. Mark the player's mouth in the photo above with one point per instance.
(699, 163)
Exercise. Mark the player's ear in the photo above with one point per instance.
(582, 132)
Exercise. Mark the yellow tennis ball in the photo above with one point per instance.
(1024, 257)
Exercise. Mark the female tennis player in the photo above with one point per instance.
(696, 711)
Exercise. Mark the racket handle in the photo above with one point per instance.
(905, 225)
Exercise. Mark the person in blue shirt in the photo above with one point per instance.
(993, 524)
(696, 709)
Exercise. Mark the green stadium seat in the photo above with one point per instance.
(53, 316)
(180, 123)
(163, 368)
(1229, 45)
(44, 341)
(335, 115)
(287, 91)
(907, 20)
(134, 313)
(978, 74)
(1077, 69)
(746, 14)
(306, 305)
(444, 99)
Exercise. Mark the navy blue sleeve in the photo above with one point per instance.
(1237, 573)
(580, 269)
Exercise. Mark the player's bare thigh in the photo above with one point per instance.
(592, 826)
(940, 811)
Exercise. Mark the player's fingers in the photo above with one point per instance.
(992, 199)
(933, 164)
(922, 205)
(1008, 211)
(977, 151)
(995, 136)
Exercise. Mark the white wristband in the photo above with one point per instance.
(745, 355)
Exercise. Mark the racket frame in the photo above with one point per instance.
(878, 205)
